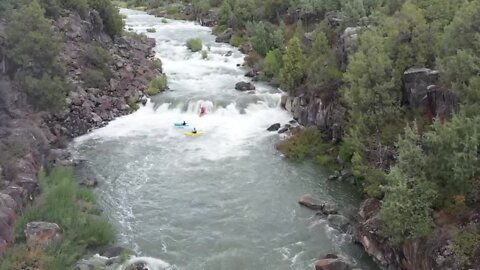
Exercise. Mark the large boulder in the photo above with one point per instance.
(347, 45)
(274, 127)
(416, 81)
(339, 222)
(331, 264)
(369, 208)
(42, 234)
(244, 86)
(225, 36)
(313, 203)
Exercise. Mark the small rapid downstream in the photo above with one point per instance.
(225, 200)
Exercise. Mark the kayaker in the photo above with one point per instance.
(203, 111)
(194, 131)
(184, 123)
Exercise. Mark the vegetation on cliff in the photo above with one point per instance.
(33, 48)
(70, 206)
(417, 160)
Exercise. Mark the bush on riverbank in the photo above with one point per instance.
(159, 84)
(305, 144)
(59, 203)
(194, 44)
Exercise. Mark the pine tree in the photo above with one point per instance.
(292, 72)
(322, 66)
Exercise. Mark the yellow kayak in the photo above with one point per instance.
(194, 134)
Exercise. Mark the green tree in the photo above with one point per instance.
(272, 63)
(226, 13)
(111, 18)
(459, 60)
(352, 12)
(322, 64)
(407, 206)
(45, 93)
(293, 70)
(261, 40)
(31, 43)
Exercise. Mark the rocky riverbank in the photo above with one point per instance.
(30, 139)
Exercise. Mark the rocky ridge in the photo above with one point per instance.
(29, 139)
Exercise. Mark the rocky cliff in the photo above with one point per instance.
(30, 139)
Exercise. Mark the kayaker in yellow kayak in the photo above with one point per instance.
(194, 131)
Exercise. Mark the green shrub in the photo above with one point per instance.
(94, 78)
(151, 30)
(172, 10)
(111, 18)
(58, 204)
(305, 144)
(133, 103)
(219, 29)
(236, 41)
(134, 35)
(100, 58)
(47, 93)
(158, 85)
(345, 151)
(204, 54)
(327, 161)
(466, 242)
(194, 44)
(157, 63)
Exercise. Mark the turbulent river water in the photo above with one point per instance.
(225, 200)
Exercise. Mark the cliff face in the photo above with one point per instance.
(29, 139)
(314, 108)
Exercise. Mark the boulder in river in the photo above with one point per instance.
(274, 127)
(332, 264)
(229, 53)
(313, 203)
(244, 86)
(225, 36)
(339, 222)
(251, 74)
(42, 234)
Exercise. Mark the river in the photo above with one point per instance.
(224, 200)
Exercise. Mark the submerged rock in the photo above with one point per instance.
(339, 222)
(313, 203)
(244, 86)
(274, 127)
(42, 234)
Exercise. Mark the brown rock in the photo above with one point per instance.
(331, 264)
(369, 208)
(41, 234)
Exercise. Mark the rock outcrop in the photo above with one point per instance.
(312, 108)
(30, 139)
(422, 91)
(347, 45)
(42, 234)
(434, 253)
(132, 69)
(225, 36)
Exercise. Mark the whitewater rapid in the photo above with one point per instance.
(224, 200)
